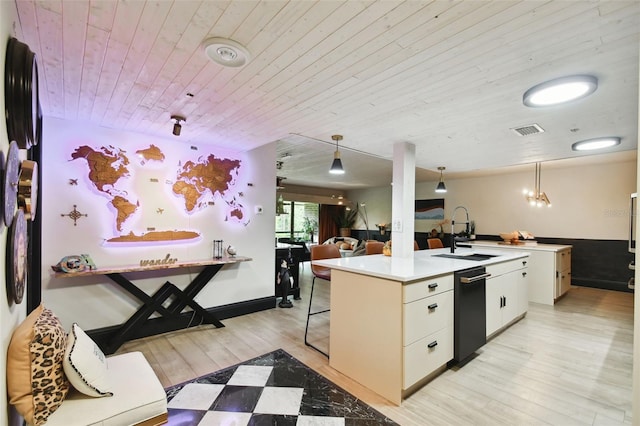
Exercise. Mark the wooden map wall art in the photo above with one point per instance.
(168, 184)
(74, 215)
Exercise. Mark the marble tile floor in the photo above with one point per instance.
(272, 389)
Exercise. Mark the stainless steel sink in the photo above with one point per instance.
(470, 256)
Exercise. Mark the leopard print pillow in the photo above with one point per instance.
(49, 385)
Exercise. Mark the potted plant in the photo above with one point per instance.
(309, 227)
(346, 220)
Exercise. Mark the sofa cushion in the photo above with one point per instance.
(138, 395)
(36, 383)
(85, 364)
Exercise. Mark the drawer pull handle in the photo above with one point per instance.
(432, 344)
(524, 274)
(433, 306)
(524, 263)
(433, 285)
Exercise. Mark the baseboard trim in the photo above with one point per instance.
(603, 284)
(154, 326)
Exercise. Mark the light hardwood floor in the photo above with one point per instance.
(568, 364)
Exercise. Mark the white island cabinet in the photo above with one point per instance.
(506, 294)
(549, 268)
(391, 326)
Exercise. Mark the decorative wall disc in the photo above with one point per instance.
(11, 176)
(21, 95)
(28, 188)
(17, 258)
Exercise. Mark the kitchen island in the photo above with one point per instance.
(549, 270)
(391, 326)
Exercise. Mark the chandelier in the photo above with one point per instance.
(537, 197)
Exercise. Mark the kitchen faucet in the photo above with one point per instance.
(453, 216)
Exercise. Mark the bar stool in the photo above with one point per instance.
(319, 252)
(434, 243)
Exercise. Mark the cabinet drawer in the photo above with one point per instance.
(563, 260)
(420, 359)
(506, 267)
(428, 287)
(427, 315)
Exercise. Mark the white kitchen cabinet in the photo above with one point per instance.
(506, 294)
(388, 335)
(563, 272)
(549, 269)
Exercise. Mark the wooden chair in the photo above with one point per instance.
(416, 247)
(373, 247)
(434, 243)
(319, 252)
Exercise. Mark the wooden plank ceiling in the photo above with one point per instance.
(447, 76)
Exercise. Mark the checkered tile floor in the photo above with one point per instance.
(273, 389)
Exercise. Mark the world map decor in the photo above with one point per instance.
(136, 185)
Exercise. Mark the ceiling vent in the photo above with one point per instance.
(529, 129)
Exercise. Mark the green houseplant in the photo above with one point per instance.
(346, 220)
(309, 227)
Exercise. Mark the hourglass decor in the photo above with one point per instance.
(217, 249)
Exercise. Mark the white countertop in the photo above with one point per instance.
(526, 247)
(421, 265)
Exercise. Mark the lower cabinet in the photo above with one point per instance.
(506, 294)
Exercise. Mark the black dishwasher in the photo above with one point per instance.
(469, 307)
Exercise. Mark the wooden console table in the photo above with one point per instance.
(155, 302)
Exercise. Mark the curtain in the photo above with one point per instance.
(327, 227)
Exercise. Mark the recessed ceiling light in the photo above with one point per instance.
(560, 90)
(596, 143)
(226, 52)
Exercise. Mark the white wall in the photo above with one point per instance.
(10, 314)
(590, 202)
(96, 302)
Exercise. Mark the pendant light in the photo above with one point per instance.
(336, 166)
(441, 187)
(536, 197)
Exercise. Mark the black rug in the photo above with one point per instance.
(272, 389)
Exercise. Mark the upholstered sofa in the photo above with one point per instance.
(56, 378)
(344, 251)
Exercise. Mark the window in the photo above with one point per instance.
(293, 223)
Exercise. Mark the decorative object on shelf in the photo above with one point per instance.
(17, 258)
(386, 249)
(177, 127)
(74, 215)
(537, 197)
(441, 187)
(279, 199)
(22, 105)
(11, 178)
(217, 249)
(231, 251)
(74, 263)
(168, 260)
(28, 189)
(336, 165)
(382, 227)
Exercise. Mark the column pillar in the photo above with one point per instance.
(403, 199)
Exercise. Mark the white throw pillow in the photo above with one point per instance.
(85, 364)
